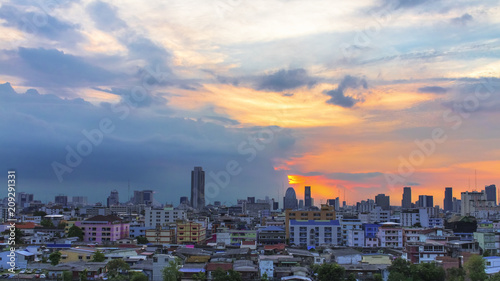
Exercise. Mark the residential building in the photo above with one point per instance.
(325, 213)
(103, 228)
(486, 242)
(163, 216)
(314, 233)
(412, 217)
(371, 239)
(161, 235)
(190, 233)
(390, 236)
(383, 201)
(271, 235)
(424, 252)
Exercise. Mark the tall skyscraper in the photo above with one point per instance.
(290, 199)
(491, 193)
(406, 202)
(307, 197)
(198, 188)
(113, 199)
(79, 201)
(383, 201)
(448, 199)
(425, 201)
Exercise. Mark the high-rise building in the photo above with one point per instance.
(383, 201)
(61, 200)
(113, 199)
(448, 199)
(406, 202)
(301, 204)
(184, 200)
(425, 201)
(491, 193)
(198, 188)
(290, 199)
(143, 197)
(79, 200)
(307, 197)
(251, 200)
(24, 199)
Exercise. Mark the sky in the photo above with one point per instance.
(353, 98)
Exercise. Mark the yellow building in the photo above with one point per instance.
(74, 254)
(190, 232)
(161, 236)
(325, 213)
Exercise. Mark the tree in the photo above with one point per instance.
(55, 258)
(116, 267)
(330, 272)
(455, 274)
(351, 277)
(83, 275)
(39, 214)
(264, 277)
(98, 257)
(486, 253)
(142, 240)
(200, 276)
(62, 225)
(139, 277)
(230, 275)
(47, 223)
(427, 272)
(377, 277)
(75, 231)
(67, 275)
(171, 272)
(399, 270)
(494, 277)
(475, 268)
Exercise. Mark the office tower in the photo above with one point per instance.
(491, 193)
(383, 201)
(330, 202)
(301, 204)
(290, 199)
(23, 199)
(113, 199)
(61, 200)
(276, 206)
(251, 200)
(406, 202)
(79, 200)
(307, 197)
(337, 204)
(425, 201)
(448, 199)
(198, 188)
(142, 197)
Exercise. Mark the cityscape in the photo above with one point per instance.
(264, 140)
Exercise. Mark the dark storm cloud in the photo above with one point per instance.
(432, 89)
(285, 80)
(463, 20)
(338, 96)
(346, 176)
(49, 67)
(149, 147)
(40, 23)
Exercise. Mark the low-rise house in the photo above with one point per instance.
(346, 256)
(424, 252)
(492, 265)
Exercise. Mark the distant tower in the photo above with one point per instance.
(290, 199)
(307, 197)
(491, 193)
(425, 201)
(198, 188)
(448, 199)
(113, 198)
(383, 201)
(406, 202)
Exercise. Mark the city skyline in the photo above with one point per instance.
(353, 99)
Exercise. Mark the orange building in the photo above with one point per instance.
(191, 232)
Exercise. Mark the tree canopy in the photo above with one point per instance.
(75, 231)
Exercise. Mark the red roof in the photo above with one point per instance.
(26, 225)
(248, 243)
(223, 266)
(274, 247)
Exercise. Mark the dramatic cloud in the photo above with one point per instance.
(338, 96)
(433, 90)
(285, 80)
